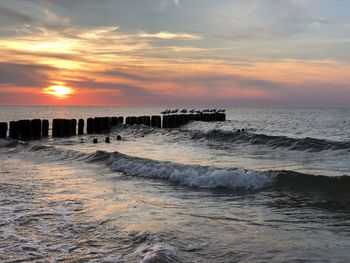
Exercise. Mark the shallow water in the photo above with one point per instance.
(199, 194)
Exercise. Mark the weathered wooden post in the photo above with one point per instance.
(133, 120)
(114, 121)
(81, 127)
(36, 128)
(57, 128)
(120, 120)
(176, 121)
(147, 121)
(165, 121)
(156, 121)
(25, 130)
(45, 128)
(171, 121)
(66, 126)
(14, 130)
(98, 125)
(90, 126)
(106, 124)
(139, 120)
(73, 127)
(3, 129)
(182, 119)
(223, 117)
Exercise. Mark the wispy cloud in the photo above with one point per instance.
(169, 35)
(15, 15)
(245, 53)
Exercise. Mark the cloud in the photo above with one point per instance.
(169, 35)
(15, 15)
(123, 88)
(52, 20)
(19, 75)
(222, 52)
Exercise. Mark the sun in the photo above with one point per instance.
(60, 92)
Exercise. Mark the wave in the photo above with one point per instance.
(294, 180)
(158, 252)
(203, 177)
(8, 143)
(190, 175)
(303, 144)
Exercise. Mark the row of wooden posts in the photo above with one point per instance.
(36, 129)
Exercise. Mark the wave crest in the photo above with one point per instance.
(191, 175)
(303, 144)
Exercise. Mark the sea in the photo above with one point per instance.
(277, 192)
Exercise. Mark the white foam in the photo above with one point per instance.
(158, 252)
(191, 175)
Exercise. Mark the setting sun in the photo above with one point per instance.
(60, 92)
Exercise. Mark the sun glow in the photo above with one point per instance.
(61, 92)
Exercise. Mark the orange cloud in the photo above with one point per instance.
(107, 67)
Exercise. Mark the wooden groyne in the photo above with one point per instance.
(36, 129)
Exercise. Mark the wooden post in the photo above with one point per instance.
(147, 121)
(14, 130)
(133, 120)
(57, 128)
(106, 124)
(156, 121)
(81, 127)
(165, 122)
(45, 128)
(120, 120)
(176, 121)
(3, 129)
(98, 125)
(90, 126)
(73, 127)
(25, 130)
(139, 120)
(114, 121)
(66, 126)
(36, 128)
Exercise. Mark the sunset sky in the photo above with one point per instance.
(227, 53)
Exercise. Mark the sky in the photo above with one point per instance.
(222, 53)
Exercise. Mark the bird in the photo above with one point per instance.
(192, 111)
(174, 111)
(165, 112)
(184, 111)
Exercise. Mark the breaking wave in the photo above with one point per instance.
(303, 144)
(204, 177)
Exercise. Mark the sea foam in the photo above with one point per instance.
(191, 175)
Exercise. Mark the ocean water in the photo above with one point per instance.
(203, 193)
